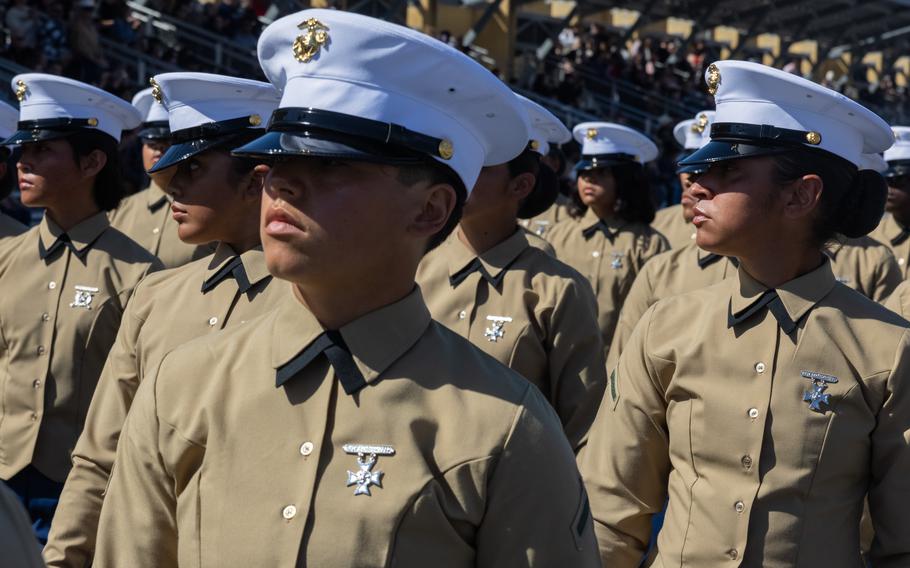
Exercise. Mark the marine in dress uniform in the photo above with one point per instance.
(894, 229)
(517, 303)
(210, 114)
(675, 222)
(766, 412)
(66, 281)
(348, 428)
(612, 241)
(146, 216)
(9, 116)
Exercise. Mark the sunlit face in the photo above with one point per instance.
(152, 150)
(209, 199)
(898, 203)
(686, 199)
(327, 220)
(737, 205)
(46, 170)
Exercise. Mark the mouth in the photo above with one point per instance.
(700, 216)
(278, 222)
(178, 213)
(24, 184)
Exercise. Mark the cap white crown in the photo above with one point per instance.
(44, 96)
(598, 138)
(901, 148)
(9, 116)
(694, 133)
(360, 66)
(546, 129)
(150, 109)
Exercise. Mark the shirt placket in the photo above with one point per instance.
(51, 315)
(764, 365)
(597, 246)
(225, 295)
(467, 312)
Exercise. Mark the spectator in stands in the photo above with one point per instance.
(88, 57)
(52, 34)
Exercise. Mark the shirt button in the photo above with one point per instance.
(213, 320)
(462, 314)
(759, 367)
(739, 507)
(45, 317)
(595, 254)
(34, 416)
(156, 230)
(41, 350)
(289, 512)
(747, 462)
(306, 448)
(51, 285)
(753, 413)
(36, 384)
(692, 236)
(733, 554)
(900, 261)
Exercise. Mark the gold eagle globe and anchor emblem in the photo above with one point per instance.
(713, 79)
(315, 36)
(156, 91)
(21, 90)
(700, 124)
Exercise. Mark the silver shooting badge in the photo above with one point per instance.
(84, 297)
(495, 332)
(816, 395)
(367, 456)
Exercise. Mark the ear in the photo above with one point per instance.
(522, 186)
(803, 196)
(92, 164)
(436, 205)
(255, 183)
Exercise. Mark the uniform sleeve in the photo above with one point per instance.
(887, 277)
(576, 358)
(889, 491)
(897, 301)
(537, 512)
(138, 522)
(72, 538)
(626, 463)
(640, 298)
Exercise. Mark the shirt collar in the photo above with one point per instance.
(375, 340)
(495, 261)
(799, 295)
(591, 219)
(253, 262)
(81, 236)
(157, 197)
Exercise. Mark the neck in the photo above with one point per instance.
(72, 213)
(781, 266)
(241, 243)
(340, 304)
(902, 219)
(603, 211)
(482, 234)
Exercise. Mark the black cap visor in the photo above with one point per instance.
(722, 150)
(326, 144)
(157, 131)
(595, 161)
(49, 129)
(182, 151)
(897, 168)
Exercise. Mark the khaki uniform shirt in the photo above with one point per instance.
(59, 315)
(899, 300)
(610, 263)
(891, 234)
(539, 242)
(862, 264)
(10, 227)
(531, 313)
(167, 309)
(146, 218)
(440, 456)
(670, 223)
(668, 274)
(542, 223)
(18, 546)
(764, 424)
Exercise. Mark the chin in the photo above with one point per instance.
(284, 264)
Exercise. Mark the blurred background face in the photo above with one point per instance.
(46, 170)
(328, 221)
(738, 208)
(898, 203)
(152, 150)
(597, 189)
(686, 200)
(208, 197)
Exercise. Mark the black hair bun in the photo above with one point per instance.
(544, 194)
(864, 204)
